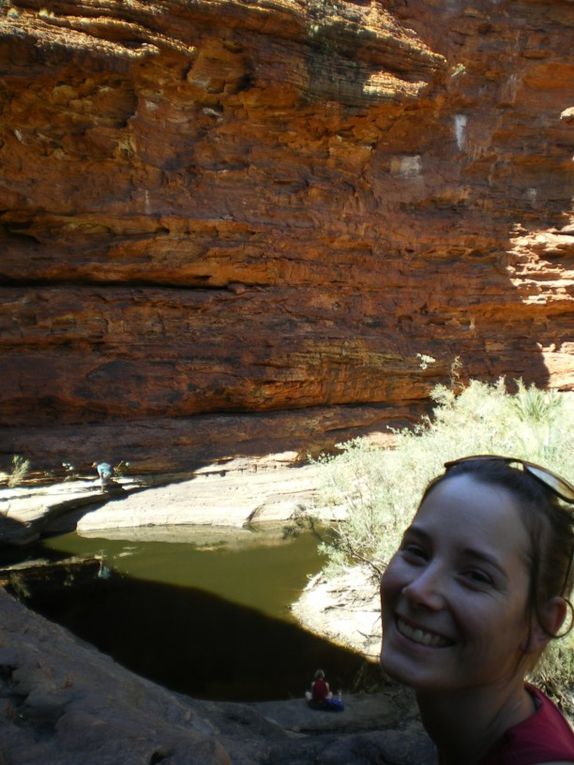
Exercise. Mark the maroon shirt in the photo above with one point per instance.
(545, 736)
(320, 690)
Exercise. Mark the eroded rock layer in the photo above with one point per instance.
(275, 207)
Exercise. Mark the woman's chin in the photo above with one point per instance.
(395, 668)
(402, 670)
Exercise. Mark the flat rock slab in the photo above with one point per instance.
(28, 503)
(26, 511)
(243, 492)
(365, 711)
(218, 499)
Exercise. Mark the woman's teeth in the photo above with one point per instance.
(420, 636)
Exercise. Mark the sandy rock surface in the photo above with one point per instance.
(344, 608)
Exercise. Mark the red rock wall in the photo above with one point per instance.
(257, 207)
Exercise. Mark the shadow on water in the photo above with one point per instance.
(195, 642)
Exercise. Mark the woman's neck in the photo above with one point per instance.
(464, 725)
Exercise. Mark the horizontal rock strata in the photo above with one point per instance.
(229, 207)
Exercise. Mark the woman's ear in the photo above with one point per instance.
(550, 619)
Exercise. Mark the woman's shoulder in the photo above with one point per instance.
(547, 733)
(544, 738)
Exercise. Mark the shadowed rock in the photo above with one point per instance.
(64, 703)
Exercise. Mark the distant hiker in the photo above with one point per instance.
(105, 472)
(320, 696)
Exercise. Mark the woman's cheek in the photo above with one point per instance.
(390, 582)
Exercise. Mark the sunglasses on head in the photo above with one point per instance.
(559, 486)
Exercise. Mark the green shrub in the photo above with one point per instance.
(380, 489)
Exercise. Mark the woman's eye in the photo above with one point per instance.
(412, 550)
(476, 576)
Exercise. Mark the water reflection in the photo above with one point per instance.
(265, 570)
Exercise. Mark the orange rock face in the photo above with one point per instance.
(266, 211)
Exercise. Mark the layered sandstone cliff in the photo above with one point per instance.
(249, 217)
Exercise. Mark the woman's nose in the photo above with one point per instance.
(427, 589)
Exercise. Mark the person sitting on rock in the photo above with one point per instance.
(320, 696)
(320, 690)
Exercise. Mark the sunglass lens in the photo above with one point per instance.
(559, 486)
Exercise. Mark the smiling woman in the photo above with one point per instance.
(471, 599)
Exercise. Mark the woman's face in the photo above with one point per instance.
(454, 595)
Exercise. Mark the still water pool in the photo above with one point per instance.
(201, 612)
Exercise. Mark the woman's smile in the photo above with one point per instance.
(420, 635)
